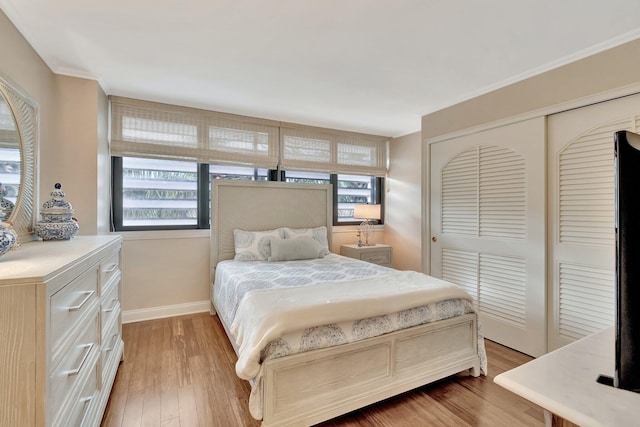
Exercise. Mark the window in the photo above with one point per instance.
(348, 190)
(354, 190)
(165, 156)
(10, 165)
(10, 171)
(151, 194)
(238, 172)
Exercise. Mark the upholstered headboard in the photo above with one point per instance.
(256, 206)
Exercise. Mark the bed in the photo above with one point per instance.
(294, 383)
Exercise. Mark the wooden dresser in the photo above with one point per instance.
(60, 331)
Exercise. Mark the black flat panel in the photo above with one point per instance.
(627, 163)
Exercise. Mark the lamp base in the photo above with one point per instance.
(365, 230)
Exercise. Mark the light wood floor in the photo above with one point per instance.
(180, 372)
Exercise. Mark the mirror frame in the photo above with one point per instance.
(25, 113)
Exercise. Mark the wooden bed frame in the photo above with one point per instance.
(311, 387)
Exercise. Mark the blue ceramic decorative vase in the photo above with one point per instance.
(57, 221)
(8, 238)
(6, 205)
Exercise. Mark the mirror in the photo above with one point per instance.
(18, 136)
(10, 167)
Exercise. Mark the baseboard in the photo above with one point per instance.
(130, 316)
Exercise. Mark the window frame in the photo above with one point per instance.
(376, 191)
(202, 191)
(376, 182)
(203, 202)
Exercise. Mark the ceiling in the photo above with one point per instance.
(373, 66)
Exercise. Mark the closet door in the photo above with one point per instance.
(488, 228)
(582, 217)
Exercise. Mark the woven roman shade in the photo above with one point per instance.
(162, 131)
(307, 148)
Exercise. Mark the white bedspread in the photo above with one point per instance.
(264, 314)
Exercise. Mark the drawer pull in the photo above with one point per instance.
(377, 259)
(85, 401)
(113, 306)
(114, 338)
(88, 295)
(111, 268)
(87, 350)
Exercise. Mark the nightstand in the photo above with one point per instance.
(379, 254)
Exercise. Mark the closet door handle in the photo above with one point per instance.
(88, 295)
(77, 370)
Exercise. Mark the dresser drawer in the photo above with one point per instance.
(72, 303)
(109, 267)
(377, 257)
(74, 364)
(377, 254)
(84, 406)
(110, 301)
(111, 340)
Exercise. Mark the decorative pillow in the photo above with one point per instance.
(254, 245)
(319, 234)
(295, 249)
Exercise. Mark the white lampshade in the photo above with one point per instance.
(366, 212)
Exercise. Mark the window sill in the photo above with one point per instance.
(164, 234)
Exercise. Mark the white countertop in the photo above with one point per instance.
(564, 383)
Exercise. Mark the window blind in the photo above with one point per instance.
(309, 148)
(162, 131)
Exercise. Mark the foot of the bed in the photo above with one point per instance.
(212, 309)
(299, 389)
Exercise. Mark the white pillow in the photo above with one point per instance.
(254, 245)
(319, 234)
(295, 249)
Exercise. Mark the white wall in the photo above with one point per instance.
(80, 147)
(347, 235)
(103, 186)
(22, 67)
(403, 213)
(72, 130)
(600, 73)
(164, 271)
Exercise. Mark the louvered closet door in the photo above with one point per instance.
(581, 217)
(488, 228)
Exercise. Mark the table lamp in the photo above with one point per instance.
(368, 213)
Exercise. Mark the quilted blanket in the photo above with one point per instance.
(266, 314)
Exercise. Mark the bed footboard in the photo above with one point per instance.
(307, 388)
